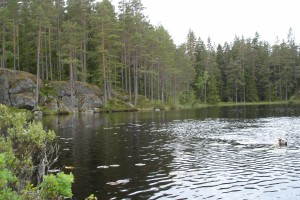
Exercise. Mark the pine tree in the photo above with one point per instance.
(235, 79)
(212, 94)
(5, 24)
(105, 32)
(251, 92)
(70, 48)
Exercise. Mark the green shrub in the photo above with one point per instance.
(118, 105)
(6, 178)
(24, 147)
(55, 186)
(91, 197)
(47, 90)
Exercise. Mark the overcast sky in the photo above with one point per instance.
(223, 19)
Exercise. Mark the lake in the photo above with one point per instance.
(208, 153)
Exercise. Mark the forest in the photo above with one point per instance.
(119, 49)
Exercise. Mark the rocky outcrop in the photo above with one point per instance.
(23, 100)
(89, 102)
(18, 89)
(81, 98)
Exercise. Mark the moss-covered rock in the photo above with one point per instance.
(82, 98)
(17, 88)
(4, 88)
(23, 100)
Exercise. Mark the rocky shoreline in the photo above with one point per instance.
(18, 89)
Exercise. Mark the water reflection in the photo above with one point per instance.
(211, 153)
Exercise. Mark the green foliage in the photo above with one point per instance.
(251, 91)
(24, 147)
(159, 104)
(212, 96)
(58, 185)
(6, 118)
(6, 178)
(47, 90)
(144, 102)
(118, 105)
(91, 197)
(187, 97)
(201, 83)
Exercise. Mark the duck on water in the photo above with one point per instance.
(282, 142)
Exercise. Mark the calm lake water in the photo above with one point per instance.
(210, 153)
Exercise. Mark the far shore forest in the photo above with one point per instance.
(119, 49)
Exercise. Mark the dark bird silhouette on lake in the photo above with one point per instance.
(282, 142)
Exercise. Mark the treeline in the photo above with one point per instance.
(84, 40)
(245, 70)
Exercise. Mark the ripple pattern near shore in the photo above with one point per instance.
(239, 163)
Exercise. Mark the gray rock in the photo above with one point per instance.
(85, 97)
(4, 87)
(88, 103)
(62, 89)
(23, 100)
(17, 89)
(22, 86)
(72, 105)
(84, 88)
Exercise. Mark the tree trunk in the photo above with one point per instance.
(145, 80)
(269, 86)
(135, 80)
(84, 55)
(280, 82)
(236, 92)
(129, 81)
(205, 91)
(158, 80)
(244, 87)
(109, 83)
(71, 83)
(104, 67)
(286, 83)
(3, 63)
(18, 50)
(38, 66)
(163, 90)
(14, 44)
(152, 86)
(174, 88)
(46, 58)
(58, 48)
(125, 69)
(50, 55)
(122, 78)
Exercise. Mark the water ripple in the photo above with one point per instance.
(233, 158)
(210, 158)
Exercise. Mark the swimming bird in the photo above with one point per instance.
(282, 142)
